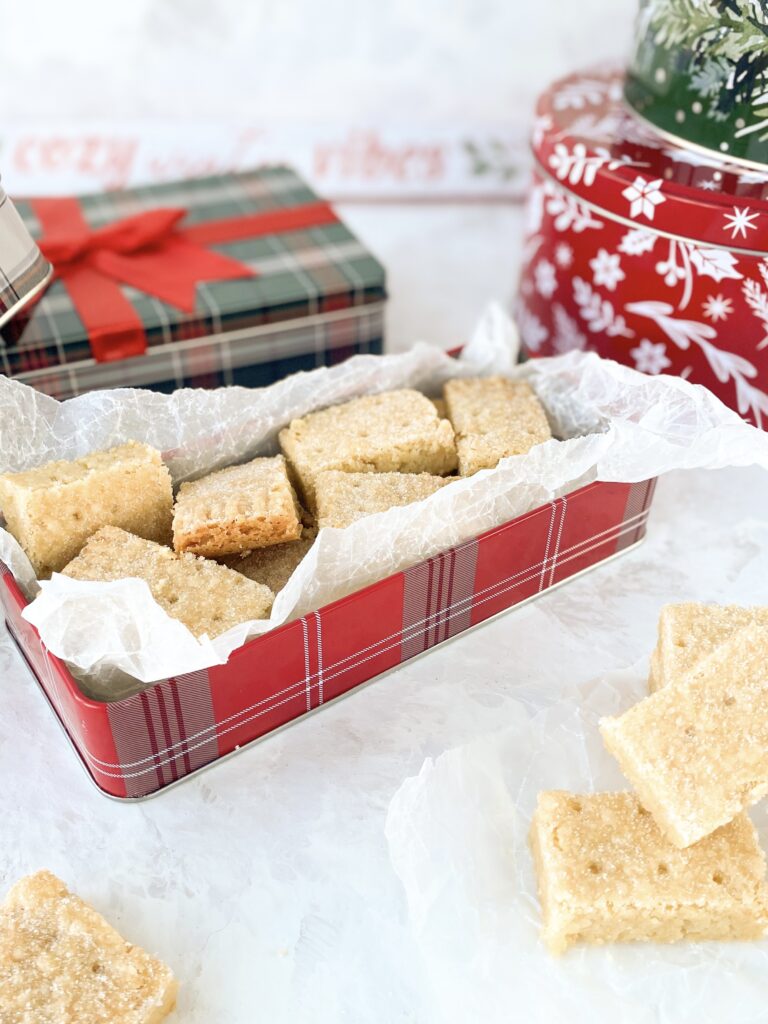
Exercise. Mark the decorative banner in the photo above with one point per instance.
(365, 163)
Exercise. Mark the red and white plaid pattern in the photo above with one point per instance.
(437, 599)
(142, 744)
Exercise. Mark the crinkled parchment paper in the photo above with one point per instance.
(617, 425)
(458, 840)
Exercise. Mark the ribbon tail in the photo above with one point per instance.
(171, 272)
(112, 325)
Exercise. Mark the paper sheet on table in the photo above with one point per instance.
(618, 425)
(458, 840)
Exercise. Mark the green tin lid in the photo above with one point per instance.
(700, 73)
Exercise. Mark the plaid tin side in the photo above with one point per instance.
(138, 746)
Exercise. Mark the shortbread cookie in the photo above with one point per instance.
(205, 596)
(696, 752)
(54, 509)
(343, 498)
(689, 631)
(274, 566)
(236, 509)
(607, 874)
(493, 417)
(439, 404)
(61, 963)
(396, 431)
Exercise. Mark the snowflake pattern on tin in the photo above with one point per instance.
(717, 308)
(740, 221)
(650, 357)
(644, 196)
(606, 269)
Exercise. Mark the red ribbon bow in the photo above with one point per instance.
(152, 253)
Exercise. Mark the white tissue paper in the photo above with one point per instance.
(616, 424)
(458, 840)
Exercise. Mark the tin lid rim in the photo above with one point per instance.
(623, 153)
(618, 218)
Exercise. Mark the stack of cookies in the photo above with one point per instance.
(678, 858)
(218, 554)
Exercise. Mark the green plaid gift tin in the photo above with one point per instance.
(233, 279)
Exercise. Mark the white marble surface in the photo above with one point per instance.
(265, 882)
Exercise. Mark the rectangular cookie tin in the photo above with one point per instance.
(138, 746)
(309, 294)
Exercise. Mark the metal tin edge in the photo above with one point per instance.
(307, 714)
(617, 218)
(244, 333)
(27, 298)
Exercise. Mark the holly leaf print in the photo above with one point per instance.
(715, 263)
(637, 241)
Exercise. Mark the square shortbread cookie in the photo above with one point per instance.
(690, 631)
(493, 417)
(696, 752)
(395, 431)
(61, 963)
(274, 566)
(236, 509)
(205, 596)
(53, 510)
(607, 874)
(343, 498)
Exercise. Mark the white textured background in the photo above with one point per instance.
(369, 62)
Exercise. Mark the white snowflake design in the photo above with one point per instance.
(740, 221)
(717, 308)
(545, 278)
(564, 255)
(606, 269)
(644, 196)
(710, 185)
(650, 357)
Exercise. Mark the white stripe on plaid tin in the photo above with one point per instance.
(552, 559)
(172, 711)
(432, 590)
(307, 670)
(639, 498)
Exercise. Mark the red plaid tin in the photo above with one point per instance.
(137, 746)
(648, 251)
(24, 272)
